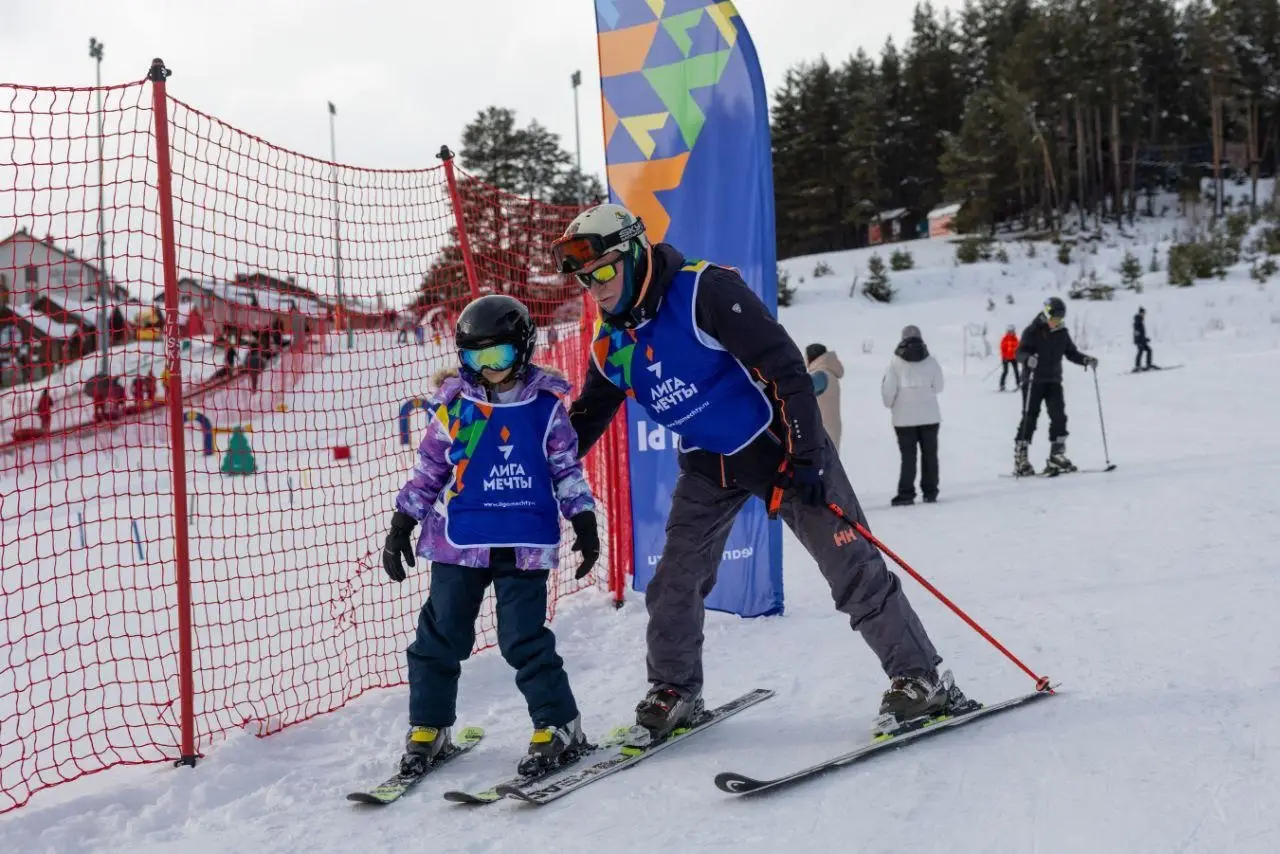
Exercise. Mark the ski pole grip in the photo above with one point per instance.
(775, 494)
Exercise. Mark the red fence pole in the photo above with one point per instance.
(173, 397)
(463, 242)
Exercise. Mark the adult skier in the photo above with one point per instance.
(1044, 344)
(1140, 340)
(694, 346)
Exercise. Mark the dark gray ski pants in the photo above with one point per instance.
(702, 514)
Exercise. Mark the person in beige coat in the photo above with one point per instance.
(826, 371)
(910, 389)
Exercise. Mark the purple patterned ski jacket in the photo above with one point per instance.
(421, 494)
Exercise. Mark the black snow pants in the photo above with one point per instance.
(1050, 394)
(924, 437)
(1004, 372)
(862, 587)
(1143, 347)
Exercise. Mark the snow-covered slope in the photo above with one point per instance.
(1148, 592)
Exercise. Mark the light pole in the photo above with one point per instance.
(576, 80)
(104, 330)
(337, 218)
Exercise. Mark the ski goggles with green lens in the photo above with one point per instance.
(497, 357)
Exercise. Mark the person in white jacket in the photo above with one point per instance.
(910, 389)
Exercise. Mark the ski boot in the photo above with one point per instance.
(423, 746)
(552, 746)
(1021, 465)
(1058, 462)
(913, 700)
(660, 713)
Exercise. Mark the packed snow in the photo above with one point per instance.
(1148, 592)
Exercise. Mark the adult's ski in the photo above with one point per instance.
(520, 781)
(627, 756)
(740, 784)
(394, 787)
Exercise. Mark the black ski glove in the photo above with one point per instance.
(586, 540)
(398, 545)
(803, 478)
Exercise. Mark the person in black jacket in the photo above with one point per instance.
(1140, 340)
(694, 346)
(1044, 344)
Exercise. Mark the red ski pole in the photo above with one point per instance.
(1042, 682)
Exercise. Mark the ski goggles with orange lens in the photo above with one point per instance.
(498, 357)
(573, 252)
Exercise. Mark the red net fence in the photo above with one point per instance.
(213, 365)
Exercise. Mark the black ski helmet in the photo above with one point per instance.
(495, 319)
(1054, 307)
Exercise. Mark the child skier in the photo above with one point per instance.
(498, 457)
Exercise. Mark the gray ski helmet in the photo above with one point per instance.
(1055, 308)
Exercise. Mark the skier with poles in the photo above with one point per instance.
(497, 467)
(748, 425)
(1044, 344)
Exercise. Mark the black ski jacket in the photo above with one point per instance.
(728, 311)
(1139, 330)
(1049, 346)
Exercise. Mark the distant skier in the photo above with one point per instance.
(1009, 356)
(498, 461)
(1140, 340)
(1044, 344)
(748, 424)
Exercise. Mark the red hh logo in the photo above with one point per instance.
(844, 537)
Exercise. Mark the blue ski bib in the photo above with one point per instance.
(682, 377)
(501, 494)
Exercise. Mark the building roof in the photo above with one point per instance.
(22, 235)
(45, 323)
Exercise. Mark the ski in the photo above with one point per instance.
(520, 781)
(1153, 369)
(1042, 475)
(740, 784)
(627, 756)
(394, 787)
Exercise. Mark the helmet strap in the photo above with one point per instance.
(631, 295)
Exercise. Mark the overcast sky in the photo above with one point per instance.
(406, 75)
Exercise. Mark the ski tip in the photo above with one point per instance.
(516, 793)
(477, 798)
(736, 784)
(367, 798)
